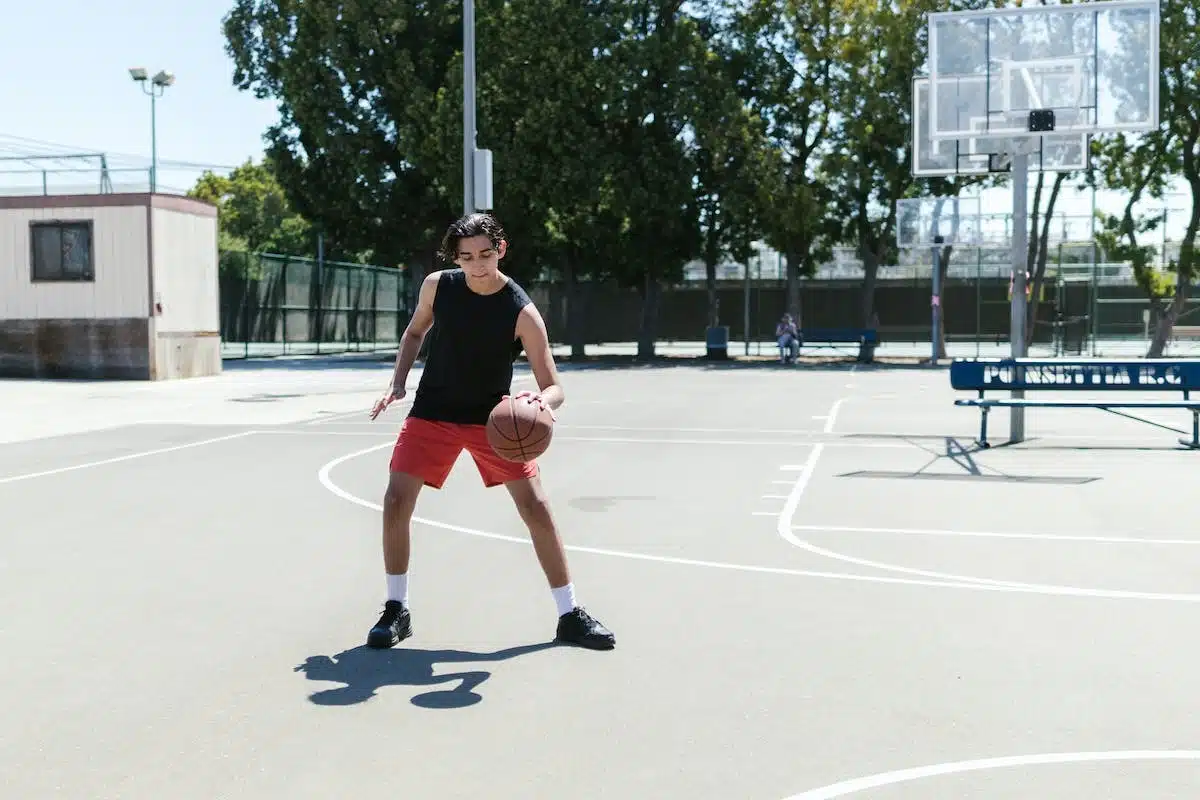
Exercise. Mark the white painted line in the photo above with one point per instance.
(786, 523)
(833, 412)
(410, 393)
(775, 496)
(323, 476)
(639, 440)
(1040, 537)
(919, 773)
(308, 431)
(657, 429)
(330, 417)
(118, 459)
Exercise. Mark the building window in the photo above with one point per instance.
(61, 251)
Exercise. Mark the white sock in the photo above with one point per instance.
(397, 588)
(564, 598)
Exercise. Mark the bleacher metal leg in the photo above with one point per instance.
(1195, 443)
(983, 442)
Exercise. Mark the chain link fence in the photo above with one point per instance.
(275, 305)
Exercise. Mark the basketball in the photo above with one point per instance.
(519, 430)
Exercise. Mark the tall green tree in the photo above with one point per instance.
(870, 166)
(361, 143)
(651, 184)
(1143, 166)
(787, 56)
(732, 154)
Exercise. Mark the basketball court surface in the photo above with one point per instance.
(819, 588)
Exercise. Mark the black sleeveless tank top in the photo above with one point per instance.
(472, 346)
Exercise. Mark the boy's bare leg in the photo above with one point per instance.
(534, 508)
(575, 625)
(399, 502)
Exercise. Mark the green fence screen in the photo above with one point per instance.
(274, 305)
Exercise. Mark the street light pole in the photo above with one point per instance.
(155, 87)
(468, 106)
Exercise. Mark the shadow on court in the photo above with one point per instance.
(364, 670)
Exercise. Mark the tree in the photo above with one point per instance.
(253, 211)
(362, 141)
(870, 165)
(1144, 166)
(730, 150)
(544, 97)
(1143, 170)
(650, 186)
(786, 55)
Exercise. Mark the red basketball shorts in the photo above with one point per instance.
(428, 450)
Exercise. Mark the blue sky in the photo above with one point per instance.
(65, 65)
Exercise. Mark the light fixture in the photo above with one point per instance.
(164, 78)
(137, 73)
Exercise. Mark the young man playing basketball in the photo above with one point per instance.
(480, 320)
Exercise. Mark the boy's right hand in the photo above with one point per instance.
(393, 394)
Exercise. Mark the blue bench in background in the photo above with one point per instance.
(830, 338)
(1083, 375)
(840, 335)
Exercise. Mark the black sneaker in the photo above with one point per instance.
(393, 627)
(578, 627)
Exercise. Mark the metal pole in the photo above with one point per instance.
(746, 305)
(468, 106)
(153, 141)
(1020, 244)
(937, 297)
(1093, 289)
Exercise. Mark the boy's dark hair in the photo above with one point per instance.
(477, 224)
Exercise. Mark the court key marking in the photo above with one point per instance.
(785, 529)
(324, 477)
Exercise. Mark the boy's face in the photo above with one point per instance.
(478, 257)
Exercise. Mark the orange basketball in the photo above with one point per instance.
(519, 430)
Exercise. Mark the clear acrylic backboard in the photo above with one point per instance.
(1021, 72)
(929, 221)
(986, 152)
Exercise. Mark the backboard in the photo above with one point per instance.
(1022, 72)
(983, 152)
(922, 221)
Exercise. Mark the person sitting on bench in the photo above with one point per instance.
(788, 337)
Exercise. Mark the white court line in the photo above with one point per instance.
(621, 440)
(329, 417)
(117, 459)
(323, 476)
(658, 429)
(832, 416)
(918, 773)
(786, 523)
(409, 394)
(557, 438)
(1042, 537)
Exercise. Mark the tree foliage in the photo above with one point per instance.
(870, 166)
(254, 212)
(1142, 168)
(634, 136)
